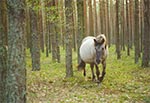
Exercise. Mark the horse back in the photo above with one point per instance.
(87, 50)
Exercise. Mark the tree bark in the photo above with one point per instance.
(136, 35)
(68, 41)
(117, 31)
(146, 39)
(16, 73)
(127, 30)
(91, 23)
(80, 8)
(3, 51)
(35, 41)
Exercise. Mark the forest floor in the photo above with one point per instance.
(125, 82)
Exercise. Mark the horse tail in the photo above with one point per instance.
(81, 66)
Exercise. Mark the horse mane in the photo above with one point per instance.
(101, 38)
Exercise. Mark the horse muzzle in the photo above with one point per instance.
(98, 61)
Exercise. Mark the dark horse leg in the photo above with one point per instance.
(82, 66)
(97, 72)
(104, 71)
(92, 69)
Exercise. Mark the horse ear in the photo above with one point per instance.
(102, 41)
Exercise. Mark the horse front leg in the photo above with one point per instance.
(92, 70)
(97, 73)
(104, 71)
(84, 72)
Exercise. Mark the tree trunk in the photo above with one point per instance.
(131, 23)
(53, 34)
(35, 42)
(108, 23)
(40, 27)
(43, 25)
(85, 17)
(91, 24)
(57, 30)
(127, 30)
(123, 26)
(146, 39)
(62, 17)
(68, 41)
(136, 35)
(46, 5)
(16, 73)
(3, 51)
(117, 31)
(28, 31)
(80, 12)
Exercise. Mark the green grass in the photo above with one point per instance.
(124, 82)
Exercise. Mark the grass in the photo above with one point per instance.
(124, 82)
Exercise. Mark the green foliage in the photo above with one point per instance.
(124, 82)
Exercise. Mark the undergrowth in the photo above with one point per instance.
(124, 82)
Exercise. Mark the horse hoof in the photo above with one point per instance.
(97, 81)
(99, 84)
(94, 80)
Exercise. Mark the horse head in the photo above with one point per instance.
(100, 47)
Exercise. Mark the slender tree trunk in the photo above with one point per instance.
(74, 26)
(80, 8)
(91, 26)
(57, 32)
(35, 42)
(136, 37)
(3, 51)
(53, 35)
(68, 41)
(123, 26)
(142, 24)
(127, 30)
(85, 17)
(46, 29)
(16, 73)
(44, 23)
(131, 23)
(146, 39)
(108, 23)
(111, 21)
(28, 31)
(62, 16)
(40, 27)
(117, 31)
(95, 18)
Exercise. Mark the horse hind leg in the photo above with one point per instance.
(92, 70)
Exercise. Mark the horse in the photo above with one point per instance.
(93, 51)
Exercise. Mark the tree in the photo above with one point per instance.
(123, 26)
(108, 23)
(80, 9)
(136, 37)
(91, 22)
(40, 27)
(146, 37)
(16, 72)
(68, 13)
(117, 31)
(127, 29)
(35, 42)
(57, 32)
(3, 51)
